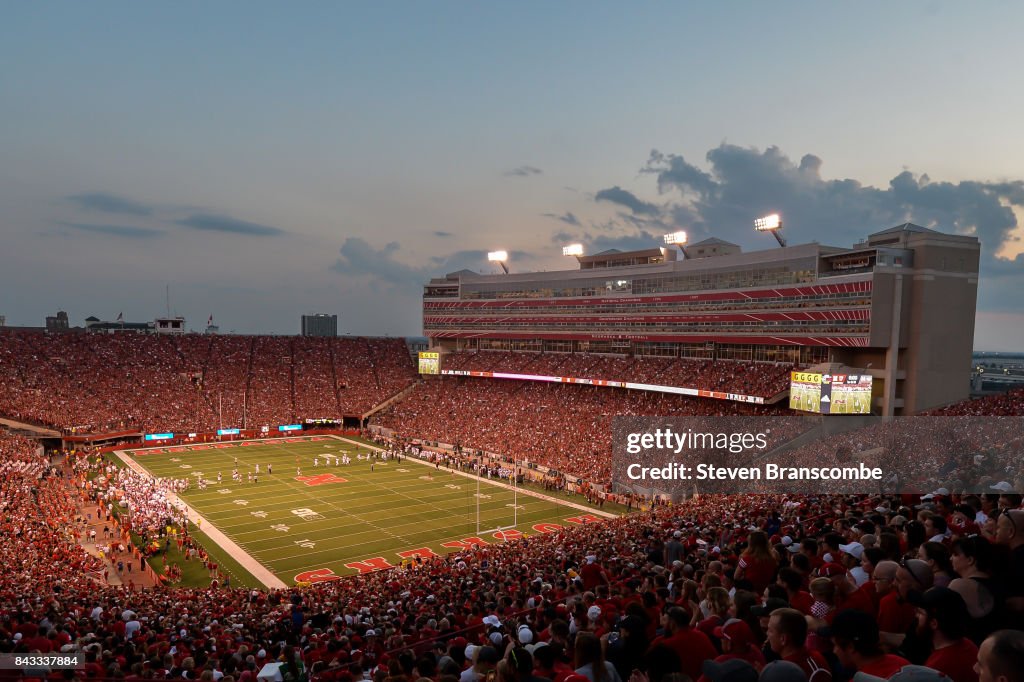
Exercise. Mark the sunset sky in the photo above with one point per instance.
(266, 160)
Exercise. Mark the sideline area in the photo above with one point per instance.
(258, 570)
(490, 481)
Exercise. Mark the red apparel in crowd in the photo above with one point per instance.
(858, 600)
(813, 664)
(956, 660)
(885, 666)
(802, 602)
(759, 571)
(691, 646)
(895, 615)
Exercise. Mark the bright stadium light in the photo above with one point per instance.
(572, 250)
(678, 238)
(771, 223)
(499, 257)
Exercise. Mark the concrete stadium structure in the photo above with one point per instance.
(900, 304)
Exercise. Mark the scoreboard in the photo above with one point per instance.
(430, 362)
(830, 393)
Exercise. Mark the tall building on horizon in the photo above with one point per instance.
(319, 324)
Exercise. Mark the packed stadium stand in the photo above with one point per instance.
(663, 593)
(566, 427)
(738, 584)
(1009, 404)
(88, 383)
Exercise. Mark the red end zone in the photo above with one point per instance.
(320, 575)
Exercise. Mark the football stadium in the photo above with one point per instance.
(333, 508)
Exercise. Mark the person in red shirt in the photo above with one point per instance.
(799, 599)
(846, 594)
(942, 613)
(738, 642)
(894, 583)
(690, 646)
(758, 562)
(855, 643)
(787, 634)
(592, 574)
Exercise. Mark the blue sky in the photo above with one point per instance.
(268, 160)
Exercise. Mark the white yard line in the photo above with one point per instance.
(258, 570)
(488, 481)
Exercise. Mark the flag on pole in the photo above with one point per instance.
(120, 317)
(209, 321)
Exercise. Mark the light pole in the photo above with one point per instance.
(771, 223)
(677, 239)
(499, 257)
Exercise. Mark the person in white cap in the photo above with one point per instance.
(851, 559)
(674, 549)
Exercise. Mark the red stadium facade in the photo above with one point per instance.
(901, 304)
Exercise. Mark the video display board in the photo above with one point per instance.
(430, 362)
(830, 393)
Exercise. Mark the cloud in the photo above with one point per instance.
(742, 183)
(617, 195)
(442, 233)
(109, 203)
(360, 259)
(523, 171)
(566, 217)
(127, 231)
(216, 223)
(626, 242)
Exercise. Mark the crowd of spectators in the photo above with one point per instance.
(737, 588)
(720, 588)
(39, 537)
(145, 504)
(567, 427)
(1009, 404)
(88, 383)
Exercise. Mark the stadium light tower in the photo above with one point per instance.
(572, 250)
(771, 223)
(499, 257)
(677, 239)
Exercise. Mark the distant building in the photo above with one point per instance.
(712, 247)
(58, 322)
(161, 325)
(319, 324)
(169, 325)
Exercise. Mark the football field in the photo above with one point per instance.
(312, 520)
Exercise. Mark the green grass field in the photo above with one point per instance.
(335, 516)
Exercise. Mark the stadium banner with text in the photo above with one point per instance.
(228, 432)
(290, 427)
(430, 362)
(677, 390)
(677, 456)
(322, 423)
(159, 436)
